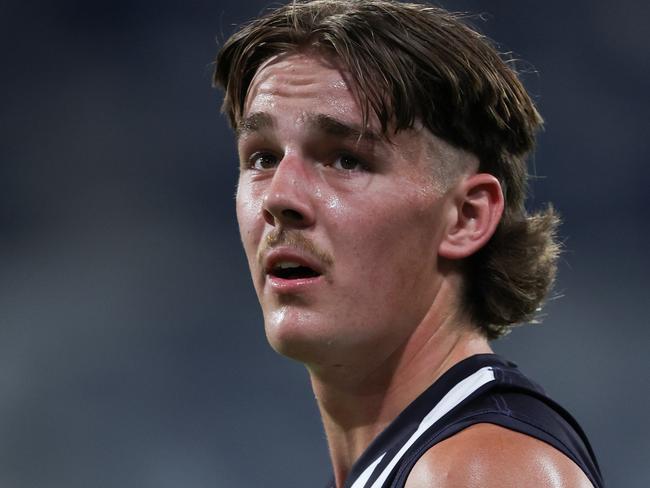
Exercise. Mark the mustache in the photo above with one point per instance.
(296, 240)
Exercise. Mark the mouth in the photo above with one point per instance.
(292, 270)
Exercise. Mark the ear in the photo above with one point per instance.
(475, 210)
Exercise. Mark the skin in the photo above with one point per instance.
(382, 322)
(488, 455)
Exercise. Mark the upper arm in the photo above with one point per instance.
(487, 456)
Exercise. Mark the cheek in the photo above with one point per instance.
(249, 218)
(393, 241)
(404, 219)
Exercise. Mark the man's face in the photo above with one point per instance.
(341, 233)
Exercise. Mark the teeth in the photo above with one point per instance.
(287, 265)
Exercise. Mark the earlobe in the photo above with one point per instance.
(474, 215)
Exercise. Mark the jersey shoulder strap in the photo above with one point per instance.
(514, 402)
(481, 389)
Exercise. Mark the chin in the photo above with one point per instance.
(299, 336)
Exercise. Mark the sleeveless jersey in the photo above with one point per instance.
(480, 389)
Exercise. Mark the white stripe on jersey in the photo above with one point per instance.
(453, 397)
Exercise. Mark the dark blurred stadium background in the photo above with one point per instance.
(131, 344)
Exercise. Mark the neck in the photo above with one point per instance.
(358, 402)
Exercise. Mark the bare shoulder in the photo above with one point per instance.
(486, 455)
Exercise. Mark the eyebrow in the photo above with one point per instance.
(255, 122)
(261, 121)
(335, 127)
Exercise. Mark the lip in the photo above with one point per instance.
(301, 285)
(282, 285)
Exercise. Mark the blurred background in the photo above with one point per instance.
(131, 345)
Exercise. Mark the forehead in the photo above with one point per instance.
(307, 82)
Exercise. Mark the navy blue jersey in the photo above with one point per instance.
(481, 389)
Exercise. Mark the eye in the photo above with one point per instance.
(261, 161)
(347, 162)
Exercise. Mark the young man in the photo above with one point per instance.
(381, 207)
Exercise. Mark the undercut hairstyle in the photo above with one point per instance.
(412, 63)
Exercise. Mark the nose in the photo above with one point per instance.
(288, 201)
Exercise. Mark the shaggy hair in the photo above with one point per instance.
(414, 62)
